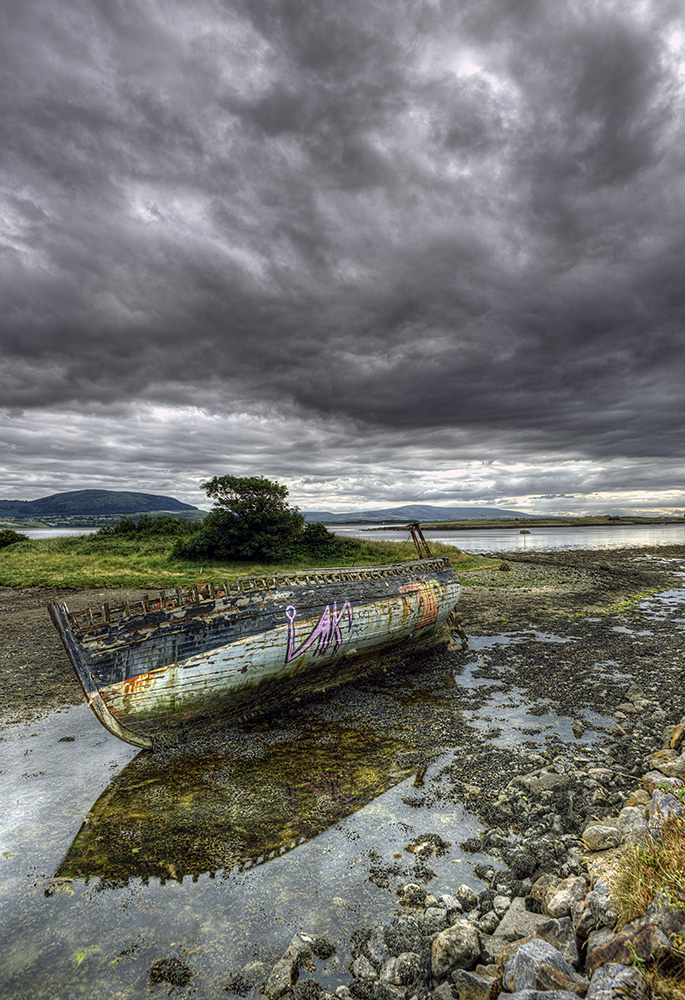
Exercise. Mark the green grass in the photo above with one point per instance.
(139, 562)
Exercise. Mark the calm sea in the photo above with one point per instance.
(539, 539)
(496, 539)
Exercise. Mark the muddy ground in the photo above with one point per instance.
(36, 677)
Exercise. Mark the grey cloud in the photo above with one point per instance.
(315, 209)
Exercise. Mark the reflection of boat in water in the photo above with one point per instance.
(176, 814)
(154, 667)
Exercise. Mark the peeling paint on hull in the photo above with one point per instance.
(151, 671)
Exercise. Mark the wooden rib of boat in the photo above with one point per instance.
(154, 668)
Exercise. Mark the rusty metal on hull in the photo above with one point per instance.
(153, 667)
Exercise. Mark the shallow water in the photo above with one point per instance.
(111, 861)
(538, 539)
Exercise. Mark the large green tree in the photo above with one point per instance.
(250, 521)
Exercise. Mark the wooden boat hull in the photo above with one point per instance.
(151, 670)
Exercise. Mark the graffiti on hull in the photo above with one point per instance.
(428, 594)
(326, 632)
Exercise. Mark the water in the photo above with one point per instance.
(539, 539)
(55, 532)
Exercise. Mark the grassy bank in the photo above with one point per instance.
(119, 561)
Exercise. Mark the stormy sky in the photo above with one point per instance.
(380, 250)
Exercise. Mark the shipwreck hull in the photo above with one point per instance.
(151, 670)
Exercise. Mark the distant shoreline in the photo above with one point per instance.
(519, 524)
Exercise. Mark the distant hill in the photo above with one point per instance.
(90, 503)
(415, 512)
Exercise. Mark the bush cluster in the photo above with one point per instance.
(147, 526)
(9, 537)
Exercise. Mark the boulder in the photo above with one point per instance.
(457, 947)
(561, 935)
(643, 942)
(538, 965)
(560, 901)
(601, 837)
(518, 922)
(612, 981)
(471, 986)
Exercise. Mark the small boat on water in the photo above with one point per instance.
(154, 669)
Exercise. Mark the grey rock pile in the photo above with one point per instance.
(544, 928)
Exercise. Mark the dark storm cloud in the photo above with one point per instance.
(414, 222)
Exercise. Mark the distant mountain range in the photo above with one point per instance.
(91, 503)
(111, 503)
(415, 512)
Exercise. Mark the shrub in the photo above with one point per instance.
(9, 537)
(250, 521)
(146, 526)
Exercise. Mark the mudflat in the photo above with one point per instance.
(525, 590)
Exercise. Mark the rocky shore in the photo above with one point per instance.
(545, 928)
(542, 922)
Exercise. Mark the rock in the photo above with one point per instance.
(642, 942)
(670, 918)
(467, 897)
(584, 920)
(470, 986)
(403, 933)
(456, 947)
(544, 886)
(635, 693)
(284, 974)
(560, 934)
(538, 965)
(537, 783)
(612, 981)
(663, 805)
(597, 939)
(678, 737)
(600, 837)
(500, 905)
(444, 991)
(403, 970)
(376, 948)
(452, 905)
(631, 821)
(539, 995)
(518, 922)
(600, 901)
(412, 894)
(653, 779)
(673, 768)
(488, 923)
(434, 920)
(564, 897)
(638, 797)
(361, 968)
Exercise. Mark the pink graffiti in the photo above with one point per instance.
(325, 632)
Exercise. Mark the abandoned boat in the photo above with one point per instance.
(154, 668)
